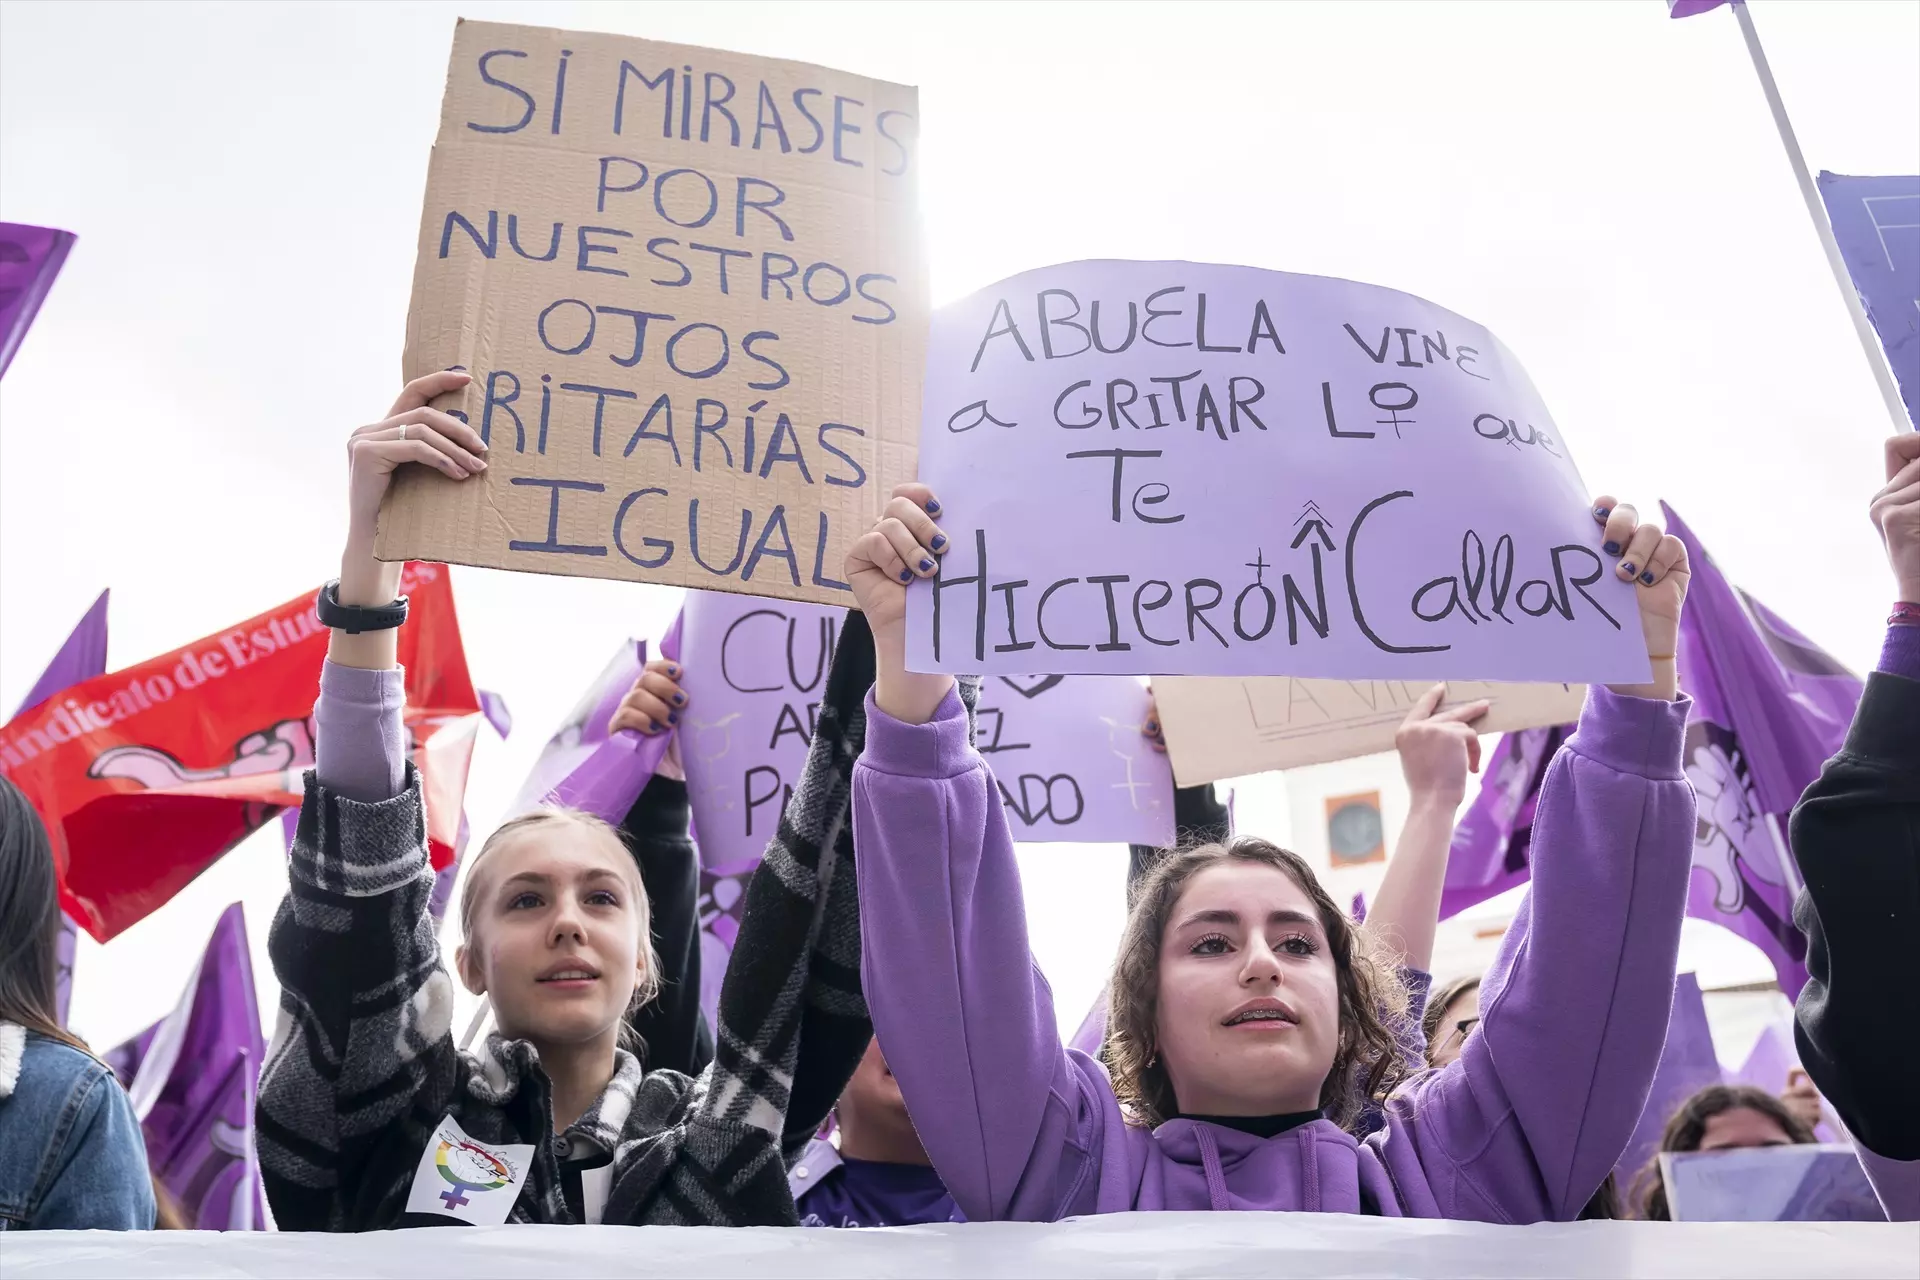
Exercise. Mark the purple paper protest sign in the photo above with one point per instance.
(1179, 468)
(754, 673)
(1687, 1065)
(30, 257)
(1070, 759)
(1876, 223)
(193, 1079)
(1804, 1183)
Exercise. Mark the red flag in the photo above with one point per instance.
(146, 776)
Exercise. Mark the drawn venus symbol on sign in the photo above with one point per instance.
(1170, 468)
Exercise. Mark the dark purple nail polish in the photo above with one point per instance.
(679, 699)
(939, 541)
(1647, 577)
(1628, 568)
(653, 726)
(926, 566)
(1610, 548)
(906, 575)
(673, 717)
(1601, 513)
(673, 671)
(933, 506)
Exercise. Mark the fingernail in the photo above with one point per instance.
(1153, 726)
(906, 575)
(653, 726)
(679, 699)
(933, 506)
(926, 566)
(673, 717)
(939, 541)
(1601, 513)
(1611, 548)
(1647, 577)
(479, 465)
(1627, 568)
(673, 671)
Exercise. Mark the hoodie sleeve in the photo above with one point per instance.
(672, 1027)
(363, 1061)
(1531, 1119)
(961, 1010)
(1856, 837)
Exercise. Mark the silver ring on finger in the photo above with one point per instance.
(403, 430)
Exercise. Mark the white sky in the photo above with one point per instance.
(1597, 184)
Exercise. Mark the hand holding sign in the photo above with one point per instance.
(902, 546)
(1656, 563)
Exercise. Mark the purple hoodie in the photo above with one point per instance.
(1522, 1129)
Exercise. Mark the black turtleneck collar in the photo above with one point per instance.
(1258, 1126)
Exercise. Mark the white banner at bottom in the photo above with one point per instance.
(1130, 1244)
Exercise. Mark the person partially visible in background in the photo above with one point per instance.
(71, 1154)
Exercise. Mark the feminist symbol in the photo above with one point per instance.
(469, 1167)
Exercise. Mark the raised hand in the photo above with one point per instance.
(1896, 513)
(903, 544)
(1656, 563)
(1438, 749)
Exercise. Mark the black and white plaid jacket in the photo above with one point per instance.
(363, 1064)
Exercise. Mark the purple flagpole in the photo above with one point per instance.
(82, 656)
(195, 1076)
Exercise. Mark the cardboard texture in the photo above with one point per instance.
(690, 288)
(1229, 728)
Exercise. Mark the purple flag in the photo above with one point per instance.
(194, 1077)
(1687, 8)
(1876, 224)
(82, 656)
(1493, 842)
(583, 766)
(30, 257)
(1769, 708)
(1687, 1065)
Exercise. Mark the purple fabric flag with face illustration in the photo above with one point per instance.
(1769, 708)
(30, 257)
(192, 1078)
(1493, 842)
(82, 656)
(1687, 1065)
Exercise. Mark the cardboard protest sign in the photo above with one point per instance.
(753, 673)
(690, 289)
(146, 775)
(1169, 467)
(1071, 761)
(1218, 728)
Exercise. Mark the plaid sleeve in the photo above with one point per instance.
(363, 1063)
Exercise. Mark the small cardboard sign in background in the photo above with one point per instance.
(690, 290)
(1071, 761)
(1178, 468)
(1222, 728)
(754, 674)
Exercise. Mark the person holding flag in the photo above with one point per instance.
(370, 1117)
(1856, 837)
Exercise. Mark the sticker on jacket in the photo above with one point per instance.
(475, 1182)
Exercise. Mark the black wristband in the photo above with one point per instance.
(354, 619)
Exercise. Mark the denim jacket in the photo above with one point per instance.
(71, 1154)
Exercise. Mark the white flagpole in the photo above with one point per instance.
(1869, 341)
